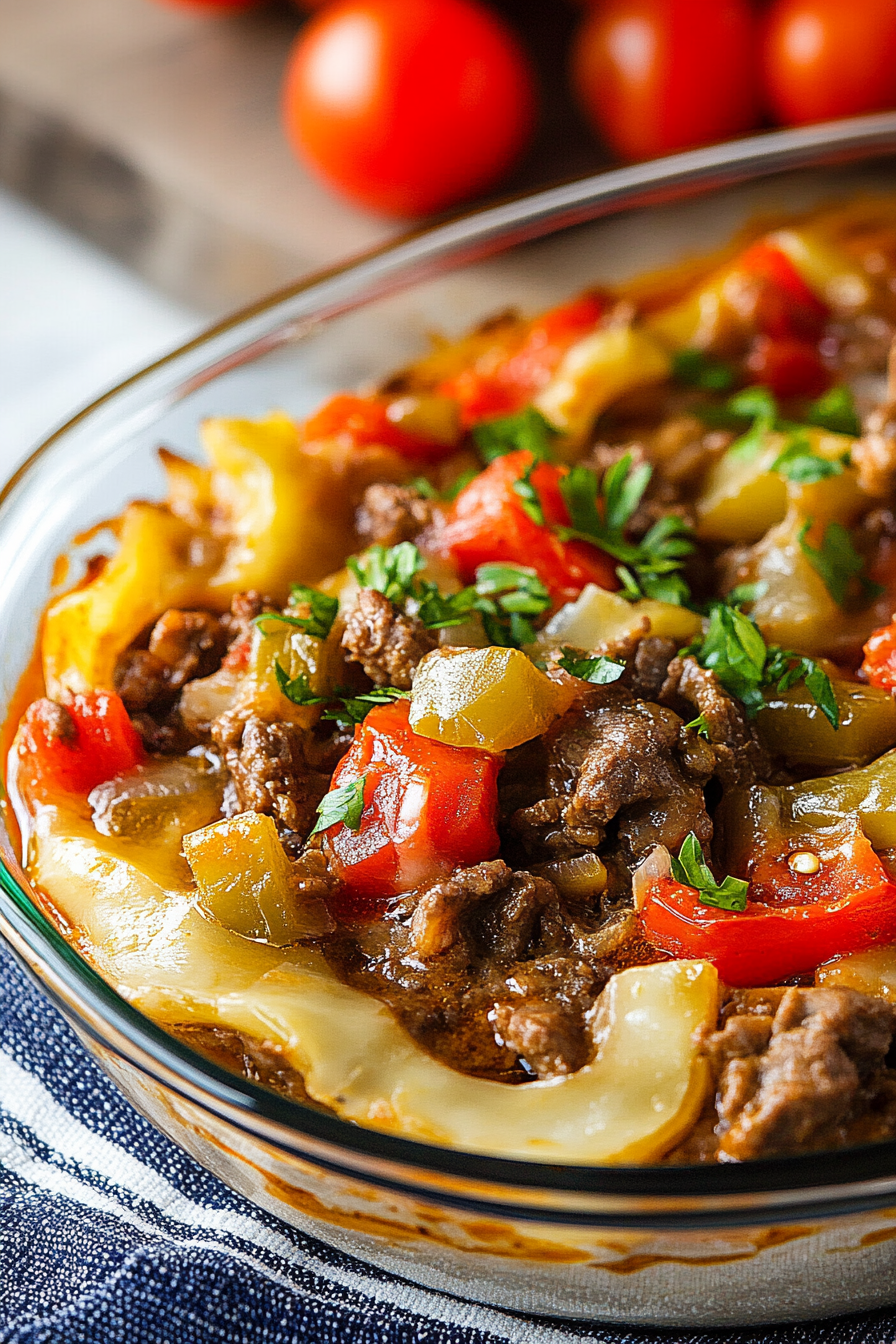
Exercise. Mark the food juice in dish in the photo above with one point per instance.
(503, 757)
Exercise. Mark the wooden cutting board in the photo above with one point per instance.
(155, 133)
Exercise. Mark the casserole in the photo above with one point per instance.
(574, 1238)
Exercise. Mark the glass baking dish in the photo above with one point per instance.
(795, 1237)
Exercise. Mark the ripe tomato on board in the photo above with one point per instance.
(828, 58)
(407, 106)
(655, 76)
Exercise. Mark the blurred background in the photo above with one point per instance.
(162, 161)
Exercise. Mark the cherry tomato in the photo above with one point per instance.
(654, 76)
(828, 58)
(71, 753)
(407, 106)
(488, 522)
(428, 809)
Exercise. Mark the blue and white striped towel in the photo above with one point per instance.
(111, 1235)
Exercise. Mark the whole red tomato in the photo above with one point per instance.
(407, 106)
(829, 58)
(654, 76)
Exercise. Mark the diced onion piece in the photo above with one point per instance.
(207, 698)
(596, 371)
(489, 698)
(245, 881)
(871, 972)
(656, 866)
(161, 798)
(598, 617)
(578, 878)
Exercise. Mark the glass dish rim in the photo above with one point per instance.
(271, 321)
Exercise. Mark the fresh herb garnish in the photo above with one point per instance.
(421, 486)
(695, 368)
(507, 598)
(798, 463)
(599, 512)
(298, 689)
(343, 805)
(391, 571)
(526, 429)
(691, 869)
(529, 500)
(735, 650)
(745, 593)
(700, 726)
(758, 404)
(839, 564)
(319, 621)
(453, 490)
(599, 671)
(352, 708)
(836, 411)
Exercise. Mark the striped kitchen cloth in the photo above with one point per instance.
(111, 1235)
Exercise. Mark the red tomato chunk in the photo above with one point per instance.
(90, 741)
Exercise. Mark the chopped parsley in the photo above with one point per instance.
(700, 726)
(343, 805)
(528, 495)
(507, 597)
(421, 486)
(695, 368)
(463, 480)
(839, 564)
(319, 621)
(735, 650)
(526, 429)
(353, 708)
(798, 463)
(599, 671)
(745, 593)
(836, 411)
(692, 870)
(599, 512)
(391, 571)
(758, 404)
(297, 689)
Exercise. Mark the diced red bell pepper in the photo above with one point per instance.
(879, 667)
(494, 388)
(73, 752)
(428, 808)
(792, 923)
(790, 367)
(488, 523)
(784, 304)
(364, 421)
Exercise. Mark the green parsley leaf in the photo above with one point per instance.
(323, 612)
(461, 483)
(343, 805)
(695, 368)
(507, 597)
(353, 708)
(798, 463)
(744, 593)
(298, 690)
(391, 572)
(424, 488)
(836, 411)
(691, 869)
(527, 429)
(599, 671)
(839, 564)
(700, 726)
(759, 403)
(529, 495)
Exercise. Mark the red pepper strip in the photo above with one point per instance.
(791, 924)
(487, 523)
(428, 809)
(104, 744)
(785, 305)
(790, 367)
(364, 421)
(494, 388)
(879, 667)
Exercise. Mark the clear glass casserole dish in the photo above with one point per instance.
(796, 1237)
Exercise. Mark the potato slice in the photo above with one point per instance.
(245, 881)
(598, 617)
(643, 1090)
(597, 371)
(489, 698)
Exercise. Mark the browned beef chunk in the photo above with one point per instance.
(690, 689)
(389, 514)
(182, 645)
(268, 770)
(798, 1068)
(648, 667)
(244, 607)
(614, 758)
(387, 643)
(480, 968)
